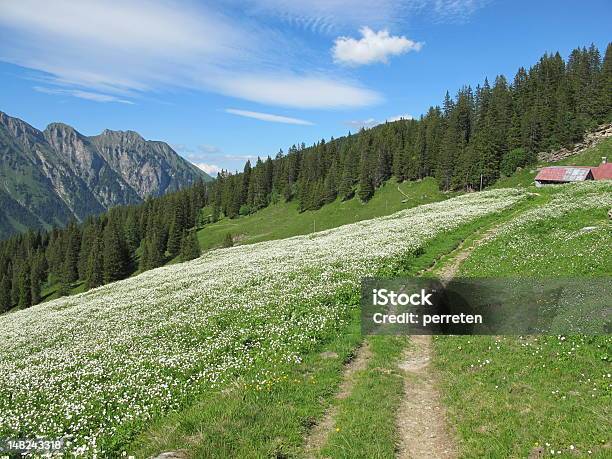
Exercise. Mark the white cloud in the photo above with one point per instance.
(456, 10)
(326, 16)
(332, 16)
(268, 117)
(133, 47)
(88, 95)
(210, 169)
(299, 91)
(372, 47)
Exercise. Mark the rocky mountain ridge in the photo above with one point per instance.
(48, 177)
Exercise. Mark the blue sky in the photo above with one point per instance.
(227, 80)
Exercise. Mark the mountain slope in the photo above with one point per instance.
(251, 311)
(52, 176)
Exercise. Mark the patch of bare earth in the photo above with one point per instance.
(321, 431)
(421, 418)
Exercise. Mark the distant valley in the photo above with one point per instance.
(50, 177)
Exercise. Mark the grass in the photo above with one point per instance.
(364, 426)
(282, 220)
(255, 421)
(272, 421)
(508, 396)
(549, 247)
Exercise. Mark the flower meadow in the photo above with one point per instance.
(94, 368)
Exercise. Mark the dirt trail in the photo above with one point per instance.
(421, 419)
(320, 432)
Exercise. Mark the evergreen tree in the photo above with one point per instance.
(37, 271)
(5, 291)
(95, 264)
(366, 185)
(132, 234)
(190, 247)
(24, 284)
(605, 87)
(346, 189)
(116, 260)
(69, 269)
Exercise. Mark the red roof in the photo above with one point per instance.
(602, 172)
(563, 174)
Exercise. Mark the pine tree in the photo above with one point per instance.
(346, 189)
(190, 247)
(152, 253)
(36, 277)
(145, 256)
(330, 191)
(174, 238)
(116, 260)
(95, 264)
(89, 233)
(132, 234)
(69, 268)
(366, 188)
(5, 291)
(24, 285)
(605, 87)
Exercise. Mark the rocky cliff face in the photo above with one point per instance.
(48, 177)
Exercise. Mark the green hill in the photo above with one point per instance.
(229, 355)
(282, 220)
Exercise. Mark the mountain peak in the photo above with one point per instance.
(130, 135)
(62, 128)
(70, 175)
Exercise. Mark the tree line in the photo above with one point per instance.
(467, 142)
(102, 249)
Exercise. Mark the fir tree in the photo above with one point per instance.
(95, 264)
(5, 292)
(190, 247)
(24, 284)
(116, 260)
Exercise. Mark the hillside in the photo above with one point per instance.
(234, 339)
(284, 219)
(58, 174)
(588, 157)
(244, 312)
